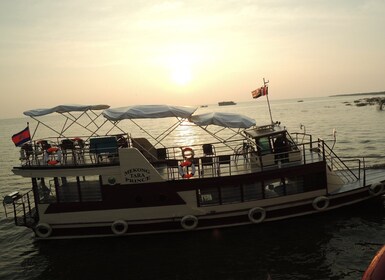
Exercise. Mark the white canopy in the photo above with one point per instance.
(223, 119)
(148, 111)
(64, 109)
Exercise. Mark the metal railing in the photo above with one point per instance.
(24, 210)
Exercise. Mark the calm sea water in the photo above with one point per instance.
(336, 245)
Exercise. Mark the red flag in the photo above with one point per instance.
(21, 137)
(260, 92)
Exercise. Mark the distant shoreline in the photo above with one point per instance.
(358, 94)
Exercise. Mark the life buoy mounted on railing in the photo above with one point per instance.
(188, 153)
(183, 169)
(54, 155)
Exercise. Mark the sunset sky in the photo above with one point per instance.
(185, 52)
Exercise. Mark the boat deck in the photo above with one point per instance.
(221, 159)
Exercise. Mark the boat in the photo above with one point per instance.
(109, 180)
(226, 103)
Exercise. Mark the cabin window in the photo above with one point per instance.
(264, 145)
(252, 191)
(284, 186)
(209, 196)
(46, 191)
(275, 187)
(67, 189)
(90, 188)
(78, 189)
(231, 194)
(294, 185)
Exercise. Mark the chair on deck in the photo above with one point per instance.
(68, 148)
(208, 158)
(79, 149)
(104, 148)
(172, 168)
(161, 154)
(222, 160)
(26, 153)
(208, 150)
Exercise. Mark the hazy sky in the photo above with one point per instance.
(185, 52)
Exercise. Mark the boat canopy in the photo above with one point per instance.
(64, 109)
(229, 120)
(148, 112)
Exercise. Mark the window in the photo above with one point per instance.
(294, 185)
(264, 145)
(46, 193)
(78, 189)
(67, 189)
(252, 191)
(209, 196)
(275, 187)
(90, 188)
(231, 194)
(284, 186)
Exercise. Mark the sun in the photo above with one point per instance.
(181, 76)
(180, 66)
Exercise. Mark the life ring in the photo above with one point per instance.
(55, 155)
(257, 215)
(52, 150)
(43, 230)
(321, 203)
(376, 188)
(189, 222)
(188, 153)
(181, 169)
(119, 227)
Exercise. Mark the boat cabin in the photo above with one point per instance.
(274, 145)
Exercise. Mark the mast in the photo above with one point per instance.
(267, 98)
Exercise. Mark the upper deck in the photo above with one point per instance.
(246, 149)
(106, 155)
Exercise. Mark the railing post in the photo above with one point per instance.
(14, 212)
(323, 151)
(29, 204)
(364, 170)
(24, 213)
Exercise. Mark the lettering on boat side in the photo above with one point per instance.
(137, 175)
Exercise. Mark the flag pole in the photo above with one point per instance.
(268, 102)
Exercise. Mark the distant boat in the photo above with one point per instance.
(300, 101)
(226, 103)
(204, 106)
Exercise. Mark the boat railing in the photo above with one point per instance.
(222, 158)
(344, 167)
(72, 151)
(24, 212)
(243, 158)
(301, 137)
